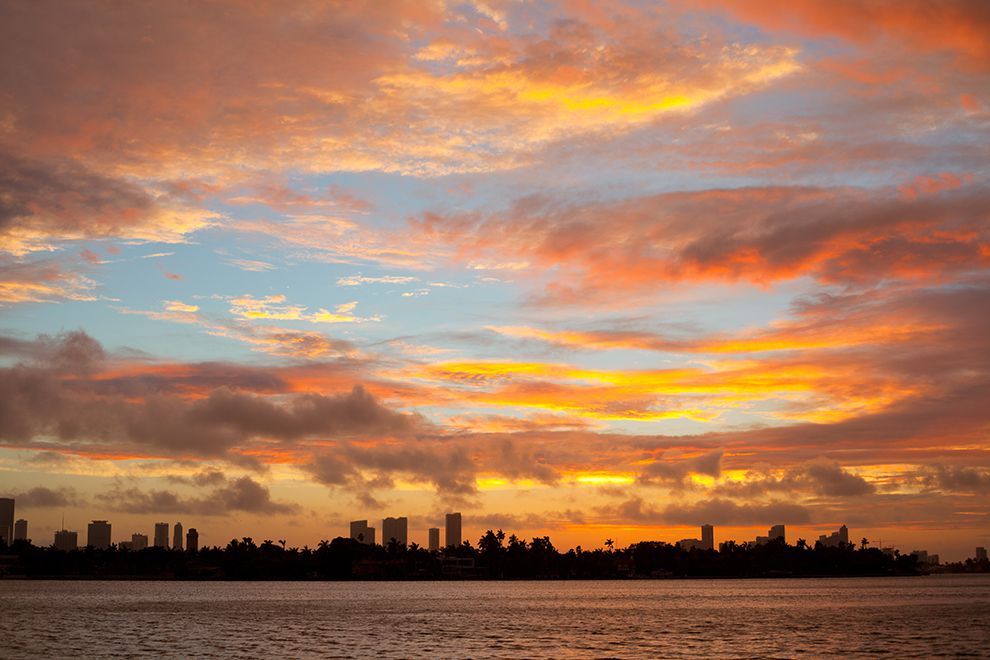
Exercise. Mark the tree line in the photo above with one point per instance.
(495, 556)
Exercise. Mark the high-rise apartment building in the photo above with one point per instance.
(98, 534)
(362, 533)
(161, 535)
(66, 540)
(434, 535)
(836, 538)
(7, 519)
(177, 537)
(192, 540)
(452, 536)
(707, 537)
(21, 530)
(777, 532)
(139, 541)
(397, 529)
(981, 554)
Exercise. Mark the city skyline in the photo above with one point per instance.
(587, 269)
(396, 528)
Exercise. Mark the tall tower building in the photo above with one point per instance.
(453, 531)
(395, 528)
(139, 541)
(21, 530)
(362, 533)
(434, 539)
(192, 540)
(177, 537)
(7, 519)
(777, 532)
(161, 535)
(844, 534)
(707, 537)
(98, 534)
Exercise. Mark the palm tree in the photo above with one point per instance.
(610, 544)
(864, 543)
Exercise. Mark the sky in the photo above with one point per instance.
(590, 270)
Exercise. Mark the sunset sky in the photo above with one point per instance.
(593, 270)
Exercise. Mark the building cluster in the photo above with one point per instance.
(10, 529)
(706, 542)
(775, 532)
(926, 558)
(836, 539)
(397, 530)
(98, 533)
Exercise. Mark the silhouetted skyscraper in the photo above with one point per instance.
(161, 535)
(434, 538)
(98, 534)
(981, 554)
(453, 531)
(192, 540)
(139, 541)
(836, 538)
(21, 530)
(395, 528)
(707, 537)
(777, 532)
(66, 540)
(177, 537)
(7, 519)
(362, 533)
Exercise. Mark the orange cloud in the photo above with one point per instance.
(956, 26)
(293, 98)
(41, 282)
(759, 235)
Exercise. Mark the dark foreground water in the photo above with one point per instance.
(947, 616)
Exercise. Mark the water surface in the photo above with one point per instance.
(935, 616)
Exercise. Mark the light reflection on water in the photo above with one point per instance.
(895, 617)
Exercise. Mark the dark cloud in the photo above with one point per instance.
(821, 477)
(516, 460)
(674, 472)
(715, 511)
(238, 495)
(42, 497)
(62, 196)
(356, 413)
(828, 478)
(956, 478)
(449, 468)
(50, 395)
(532, 521)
